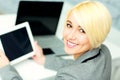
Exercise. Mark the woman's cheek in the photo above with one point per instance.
(83, 39)
(66, 33)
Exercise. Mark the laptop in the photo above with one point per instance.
(17, 42)
(43, 17)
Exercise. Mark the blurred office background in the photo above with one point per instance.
(10, 7)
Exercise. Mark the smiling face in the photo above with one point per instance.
(75, 39)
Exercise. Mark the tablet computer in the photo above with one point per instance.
(17, 42)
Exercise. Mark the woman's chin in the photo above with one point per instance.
(68, 51)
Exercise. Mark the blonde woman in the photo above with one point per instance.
(87, 26)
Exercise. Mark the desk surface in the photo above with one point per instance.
(29, 70)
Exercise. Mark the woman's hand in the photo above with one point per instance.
(3, 59)
(39, 56)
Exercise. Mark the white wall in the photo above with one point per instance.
(7, 20)
(113, 42)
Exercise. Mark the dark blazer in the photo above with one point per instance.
(93, 65)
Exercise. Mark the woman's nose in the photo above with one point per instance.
(72, 34)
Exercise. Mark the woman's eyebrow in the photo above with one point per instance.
(80, 27)
(69, 21)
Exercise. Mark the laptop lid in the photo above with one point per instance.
(43, 16)
(17, 42)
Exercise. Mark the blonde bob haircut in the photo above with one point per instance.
(95, 20)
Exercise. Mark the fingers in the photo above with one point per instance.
(1, 53)
(3, 59)
(38, 49)
(38, 57)
(36, 42)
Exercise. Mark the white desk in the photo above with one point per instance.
(29, 70)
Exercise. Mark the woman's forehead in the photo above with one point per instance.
(73, 20)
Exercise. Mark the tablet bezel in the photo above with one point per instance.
(16, 27)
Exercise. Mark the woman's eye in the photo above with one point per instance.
(69, 25)
(82, 31)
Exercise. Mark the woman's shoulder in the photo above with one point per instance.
(76, 72)
(104, 48)
(105, 51)
(100, 65)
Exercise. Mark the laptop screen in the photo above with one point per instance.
(43, 16)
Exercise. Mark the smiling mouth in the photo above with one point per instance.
(71, 44)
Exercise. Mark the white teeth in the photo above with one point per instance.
(71, 44)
